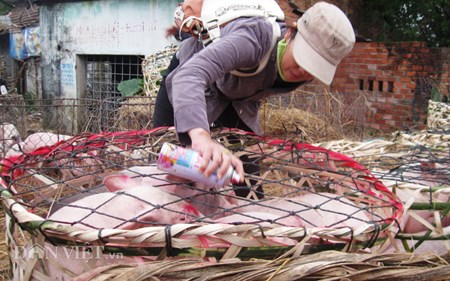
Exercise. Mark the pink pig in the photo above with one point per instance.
(331, 211)
(210, 201)
(9, 136)
(34, 141)
(410, 224)
(420, 175)
(139, 206)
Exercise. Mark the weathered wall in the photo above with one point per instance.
(112, 27)
(33, 77)
(398, 79)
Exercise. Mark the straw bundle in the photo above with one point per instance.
(315, 117)
(295, 122)
(327, 265)
(301, 168)
(135, 113)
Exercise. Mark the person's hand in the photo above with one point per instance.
(215, 156)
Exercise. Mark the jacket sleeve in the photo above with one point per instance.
(242, 45)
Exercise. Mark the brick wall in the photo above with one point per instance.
(397, 79)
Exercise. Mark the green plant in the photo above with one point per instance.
(131, 87)
(436, 95)
(407, 20)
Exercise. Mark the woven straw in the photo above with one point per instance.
(413, 163)
(153, 66)
(39, 180)
(327, 265)
(438, 115)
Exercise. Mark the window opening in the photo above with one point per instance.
(103, 76)
(390, 87)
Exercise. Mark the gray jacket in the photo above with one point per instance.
(202, 87)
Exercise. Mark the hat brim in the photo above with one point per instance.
(307, 58)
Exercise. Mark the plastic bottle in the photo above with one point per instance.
(185, 163)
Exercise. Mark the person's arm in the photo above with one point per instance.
(241, 46)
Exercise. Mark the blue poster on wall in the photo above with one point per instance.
(25, 44)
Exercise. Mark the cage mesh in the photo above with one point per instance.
(52, 178)
(70, 117)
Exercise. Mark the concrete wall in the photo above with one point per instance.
(33, 77)
(109, 27)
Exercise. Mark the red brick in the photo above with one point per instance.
(406, 91)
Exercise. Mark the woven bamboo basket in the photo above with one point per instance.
(153, 66)
(36, 183)
(438, 115)
(416, 164)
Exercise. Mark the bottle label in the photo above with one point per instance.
(185, 163)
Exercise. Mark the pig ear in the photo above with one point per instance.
(116, 182)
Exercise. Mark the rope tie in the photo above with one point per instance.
(371, 242)
(100, 237)
(168, 235)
